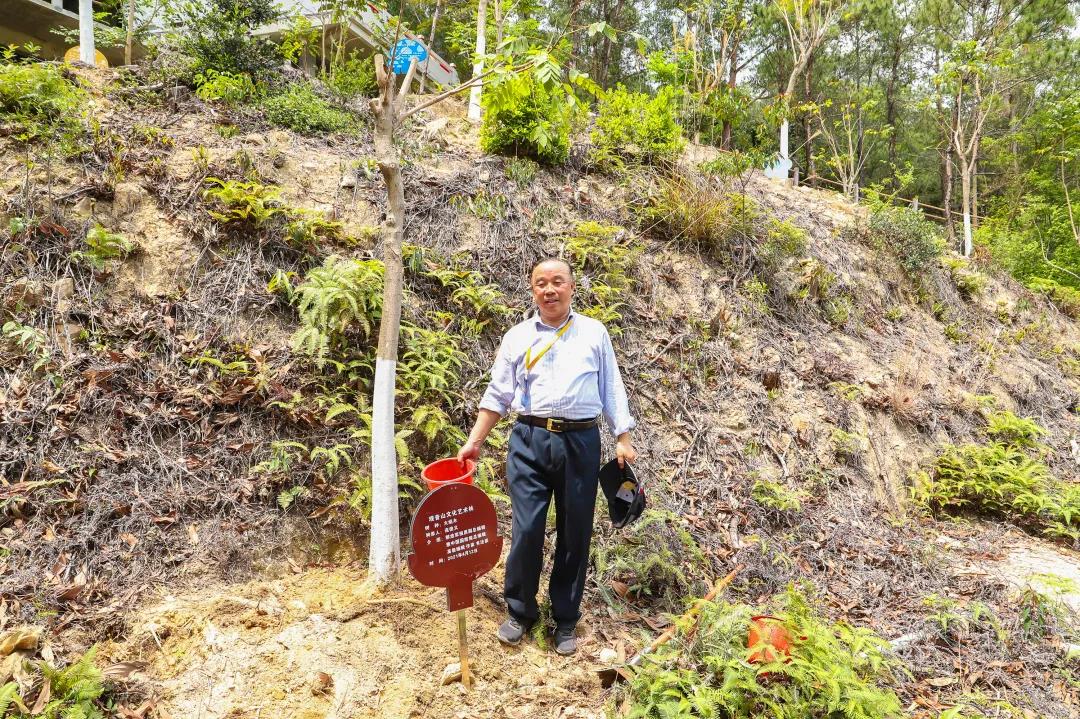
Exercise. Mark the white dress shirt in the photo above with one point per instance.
(577, 378)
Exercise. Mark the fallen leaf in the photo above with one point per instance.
(25, 638)
(941, 681)
(42, 699)
(122, 670)
(620, 588)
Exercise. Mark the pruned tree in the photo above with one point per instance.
(389, 109)
(807, 24)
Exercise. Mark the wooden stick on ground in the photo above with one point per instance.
(463, 649)
(610, 675)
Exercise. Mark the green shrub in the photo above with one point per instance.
(705, 219)
(1006, 427)
(915, 240)
(523, 118)
(39, 102)
(219, 35)
(636, 127)
(101, 246)
(836, 671)
(353, 77)
(244, 203)
(783, 241)
(602, 257)
(654, 557)
(969, 282)
(1000, 479)
(301, 110)
(227, 87)
(521, 170)
(341, 294)
(775, 496)
(1065, 298)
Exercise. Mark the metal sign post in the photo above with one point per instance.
(455, 542)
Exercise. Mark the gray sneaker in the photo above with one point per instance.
(565, 642)
(511, 632)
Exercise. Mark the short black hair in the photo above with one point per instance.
(560, 260)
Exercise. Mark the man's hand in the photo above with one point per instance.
(624, 450)
(485, 420)
(470, 450)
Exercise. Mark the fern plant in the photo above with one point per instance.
(430, 365)
(1006, 427)
(307, 229)
(243, 203)
(655, 559)
(75, 689)
(340, 294)
(603, 255)
(9, 696)
(101, 246)
(833, 671)
(30, 341)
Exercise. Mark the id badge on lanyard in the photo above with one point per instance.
(530, 361)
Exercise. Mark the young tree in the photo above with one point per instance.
(384, 554)
(807, 23)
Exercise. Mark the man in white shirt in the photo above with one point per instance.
(557, 371)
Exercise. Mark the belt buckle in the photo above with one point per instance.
(550, 425)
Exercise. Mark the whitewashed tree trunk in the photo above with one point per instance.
(86, 31)
(130, 31)
(478, 63)
(965, 201)
(384, 552)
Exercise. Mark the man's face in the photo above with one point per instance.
(552, 288)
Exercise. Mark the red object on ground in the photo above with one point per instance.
(449, 470)
(455, 540)
(768, 633)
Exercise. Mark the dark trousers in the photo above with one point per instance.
(542, 464)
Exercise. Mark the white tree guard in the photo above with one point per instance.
(384, 554)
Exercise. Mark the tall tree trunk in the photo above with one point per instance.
(808, 146)
(575, 37)
(975, 186)
(947, 182)
(965, 204)
(478, 63)
(733, 76)
(130, 31)
(86, 32)
(384, 554)
(890, 96)
(430, 44)
(498, 22)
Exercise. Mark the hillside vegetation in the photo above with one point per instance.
(878, 429)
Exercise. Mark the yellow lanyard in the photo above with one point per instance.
(531, 361)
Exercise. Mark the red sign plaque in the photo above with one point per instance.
(455, 541)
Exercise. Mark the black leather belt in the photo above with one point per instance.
(557, 424)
